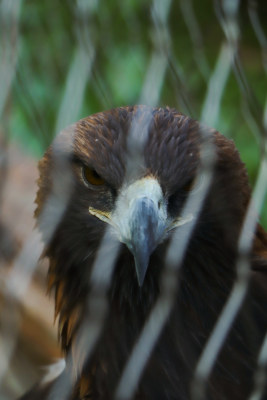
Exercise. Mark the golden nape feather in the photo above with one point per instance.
(143, 181)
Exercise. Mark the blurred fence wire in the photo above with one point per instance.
(96, 57)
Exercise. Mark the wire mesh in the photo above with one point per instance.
(94, 67)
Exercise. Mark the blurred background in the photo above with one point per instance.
(61, 61)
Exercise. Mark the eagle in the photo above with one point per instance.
(116, 191)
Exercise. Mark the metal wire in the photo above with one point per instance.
(163, 63)
(236, 298)
(161, 310)
(9, 13)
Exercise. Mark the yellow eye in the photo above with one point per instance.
(90, 176)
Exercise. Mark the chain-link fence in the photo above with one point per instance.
(63, 61)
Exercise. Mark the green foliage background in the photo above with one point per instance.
(123, 37)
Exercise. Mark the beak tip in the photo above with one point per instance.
(140, 281)
(141, 269)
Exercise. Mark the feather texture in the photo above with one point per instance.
(123, 145)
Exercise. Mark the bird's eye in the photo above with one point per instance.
(188, 186)
(90, 176)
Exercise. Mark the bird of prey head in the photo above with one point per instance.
(145, 174)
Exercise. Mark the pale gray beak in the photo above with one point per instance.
(146, 231)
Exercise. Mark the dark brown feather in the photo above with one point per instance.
(171, 153)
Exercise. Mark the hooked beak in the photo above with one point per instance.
(146, 231)
(140, 220)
